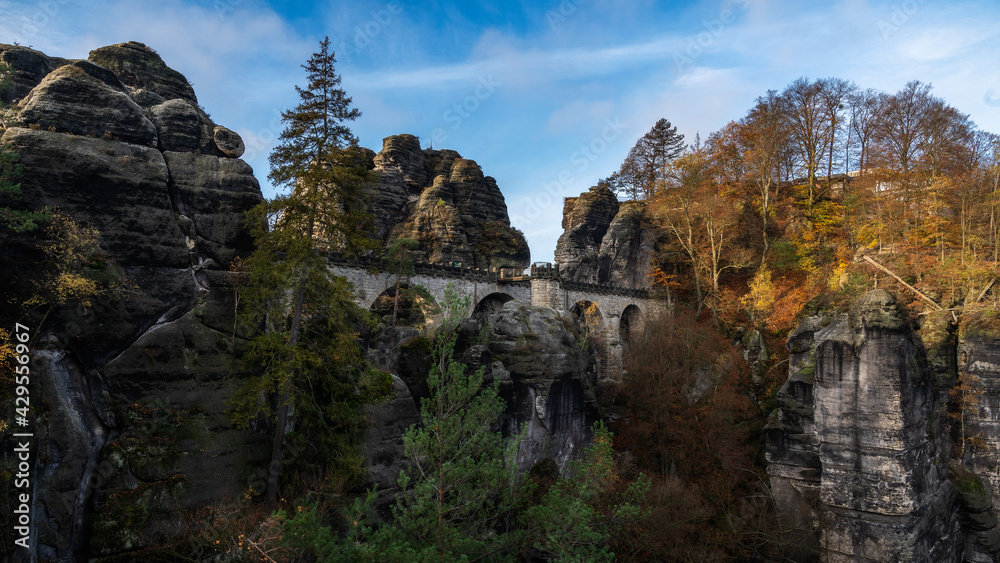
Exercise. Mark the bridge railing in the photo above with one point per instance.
(607, 289)
(455, 270)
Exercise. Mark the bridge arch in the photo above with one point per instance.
(415, 305)
(490, 305)
(588, 317)
(610, 316)
(631, 324)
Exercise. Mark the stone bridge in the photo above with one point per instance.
(611, 316)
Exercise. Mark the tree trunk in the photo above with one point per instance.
(395, 303)
(766, 193)
(274, 471)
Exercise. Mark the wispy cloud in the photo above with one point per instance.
(537, 65)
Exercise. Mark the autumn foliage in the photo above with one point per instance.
(687, 419)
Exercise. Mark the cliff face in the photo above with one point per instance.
(604, 241)
(861, 449)
(553, 381)
(978, 364)
(133, 430)
(446, 204)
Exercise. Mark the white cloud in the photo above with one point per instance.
(702, 77)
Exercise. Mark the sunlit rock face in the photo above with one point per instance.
(605, 241)
(444, 202)
(864, 450)
(137, 386)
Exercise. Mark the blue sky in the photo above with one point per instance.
(547, 96)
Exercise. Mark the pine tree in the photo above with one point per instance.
(642, 172)
(319, 161)
(460, 486)
(398, 260)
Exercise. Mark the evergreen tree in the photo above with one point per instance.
(461, 485)
(318, 159)
(642, 172)
(398, 260)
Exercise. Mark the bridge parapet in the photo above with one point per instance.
(608, 289)
(545, 270)
(457, 271)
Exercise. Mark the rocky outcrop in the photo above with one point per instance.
(29, 68)
(586, 220)
(540, 363)
(70, 100)
(868, 448)
(446, 204)
(384, 456)
(538, 357)
(553, 392)
(140, 68)
(605, 241)
(626, 254)
(978, 363)
(136, 386)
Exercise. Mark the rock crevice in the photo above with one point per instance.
(118, 143)
(864, 449)
(605, 241)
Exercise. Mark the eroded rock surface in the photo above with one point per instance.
(866, 448)
(978, 363)
(553, 381)
(605, 241)
(139, 67)
(137, 385)
(446, 204)
(70, 100)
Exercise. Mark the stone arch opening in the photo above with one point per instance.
(588, 318)
(632, 324)
(489, 306)
(415, 306)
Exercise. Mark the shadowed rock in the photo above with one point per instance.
(138, 384)
(605, 241)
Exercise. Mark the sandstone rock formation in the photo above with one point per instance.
(446, 204)
(553, 377)
(604, 241)
(135, 431)
(29, 68)
(978, 363)
(384, 452)
(861, 448)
